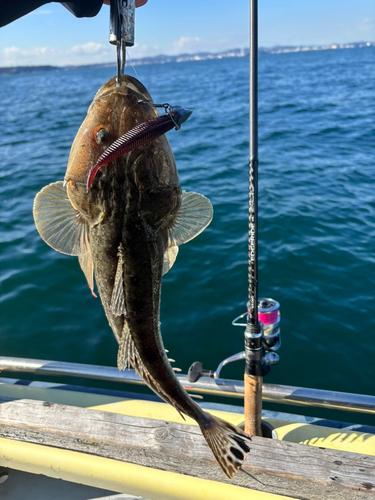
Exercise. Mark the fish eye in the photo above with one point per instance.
(101, 135)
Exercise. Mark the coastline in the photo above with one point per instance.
(200, 56)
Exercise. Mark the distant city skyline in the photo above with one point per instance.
(52, 36)
(200, 56)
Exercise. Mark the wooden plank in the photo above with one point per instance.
(274, 466)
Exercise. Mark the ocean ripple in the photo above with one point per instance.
(316, 220)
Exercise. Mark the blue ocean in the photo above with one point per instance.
(316, 215)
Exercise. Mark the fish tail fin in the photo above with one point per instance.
(229, 444)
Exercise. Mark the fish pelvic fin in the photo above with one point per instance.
(192, 218)
(128, 356)
(229, 444)
(118, 297)
(87, 266)
(169, 258)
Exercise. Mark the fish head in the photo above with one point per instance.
(114, 111)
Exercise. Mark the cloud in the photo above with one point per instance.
(183, 45)
(88, 48)
(96, 53)
(143, 50)
(11, 51)
(184, 42)
(10, 54)
(197, 44)
(89, 53)
(14, 56)
(367, 25)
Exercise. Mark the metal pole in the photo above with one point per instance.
(284, 394)
(253, 333)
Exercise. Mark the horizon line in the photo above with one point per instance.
(204, 55)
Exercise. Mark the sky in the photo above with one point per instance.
(53, 36)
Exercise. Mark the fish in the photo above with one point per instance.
(126, 231)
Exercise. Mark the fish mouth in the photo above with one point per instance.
(127, 83)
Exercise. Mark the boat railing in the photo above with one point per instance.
(284, 394)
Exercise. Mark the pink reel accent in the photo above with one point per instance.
(268, 318)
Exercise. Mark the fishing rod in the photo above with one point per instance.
(262, 333)
(253, 333)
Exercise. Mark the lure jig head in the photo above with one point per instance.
(140, 135)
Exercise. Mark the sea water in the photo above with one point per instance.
(316, 215)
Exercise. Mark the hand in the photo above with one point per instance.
(138, 3)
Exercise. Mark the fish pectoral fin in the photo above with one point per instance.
(62, 227)
(192, 218)
(118, 297)
(87, 266)
(169, 258)
(128, 356)
(59, 224)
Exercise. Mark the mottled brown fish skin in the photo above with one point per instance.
(132, 201)
(145, 240)
(114, 110)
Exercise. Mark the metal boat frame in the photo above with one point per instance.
(274, 393)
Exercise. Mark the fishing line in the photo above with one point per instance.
(132, 65)
(253, 477)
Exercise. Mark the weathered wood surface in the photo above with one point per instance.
(300, 471)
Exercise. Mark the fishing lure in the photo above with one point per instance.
(138, 136)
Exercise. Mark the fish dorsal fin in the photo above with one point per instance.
(193, 217)
(128, 356)
(87, 266)
(169, 258)
(118, 299)
(60, 225)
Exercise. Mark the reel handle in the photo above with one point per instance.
(196, 371)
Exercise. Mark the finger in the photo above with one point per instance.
(138, 3)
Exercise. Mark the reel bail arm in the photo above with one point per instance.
(260, 346)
